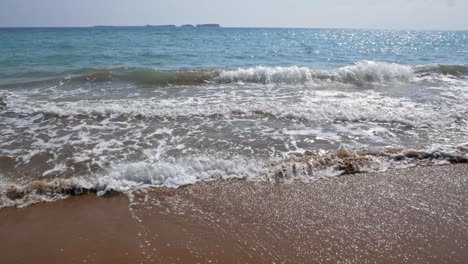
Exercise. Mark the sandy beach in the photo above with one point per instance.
(416, 215)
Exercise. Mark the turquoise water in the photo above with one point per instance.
(44, 51)
(126, 108)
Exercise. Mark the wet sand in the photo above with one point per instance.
(417, 215)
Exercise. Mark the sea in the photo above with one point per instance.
(118, 109)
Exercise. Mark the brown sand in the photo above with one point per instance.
(415, 215)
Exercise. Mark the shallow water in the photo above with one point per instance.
(118, 108)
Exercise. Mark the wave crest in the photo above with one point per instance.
(359, 73)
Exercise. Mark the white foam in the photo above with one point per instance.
(56, 169)
(166, 137)
(178, 172)
(319, 106)
(360, 73)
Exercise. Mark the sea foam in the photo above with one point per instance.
(173, 173)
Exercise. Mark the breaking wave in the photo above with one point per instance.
(320, 106)
(359, 73)
(173, 173)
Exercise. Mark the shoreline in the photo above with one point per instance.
(411, 215)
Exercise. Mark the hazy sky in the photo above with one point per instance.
(391, 14)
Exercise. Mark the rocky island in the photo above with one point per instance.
(162, 26)
(208, 26)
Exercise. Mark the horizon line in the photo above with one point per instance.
(169, 26)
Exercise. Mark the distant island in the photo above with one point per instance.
(208, 25)
(162, 26)
(166, 26)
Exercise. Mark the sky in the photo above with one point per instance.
(378, 14)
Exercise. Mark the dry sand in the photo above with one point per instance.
(417, 215)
